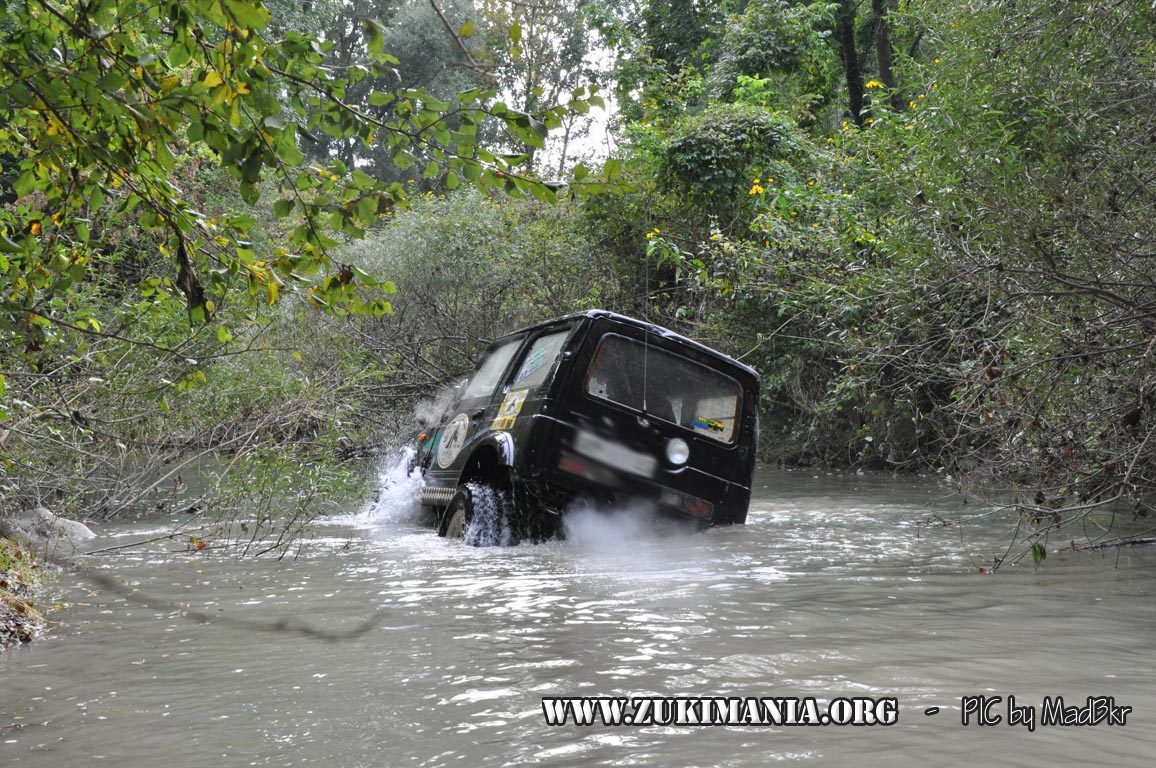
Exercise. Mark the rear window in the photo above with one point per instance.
(665, 386)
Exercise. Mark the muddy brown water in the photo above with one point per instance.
(834, 588)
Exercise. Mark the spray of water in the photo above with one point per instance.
(490, 524)
(429, 413)
(400, 483)
(612, 530)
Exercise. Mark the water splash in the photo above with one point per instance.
(400, 490)
(430, 412)
(618, 529)
(489, 525)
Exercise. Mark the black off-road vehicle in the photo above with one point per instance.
(596, 406)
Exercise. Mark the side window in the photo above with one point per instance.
(489, 373)
(540, 360)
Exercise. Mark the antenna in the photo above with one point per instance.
(646, 331)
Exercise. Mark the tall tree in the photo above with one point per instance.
(541, 52)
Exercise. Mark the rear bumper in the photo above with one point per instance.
(572, 467)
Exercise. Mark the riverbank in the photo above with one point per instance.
(20, 622)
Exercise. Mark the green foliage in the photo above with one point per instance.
(785, 48)
(104, 97)
(711, 156)
(470, 267)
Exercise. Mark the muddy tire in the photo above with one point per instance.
(481, 515)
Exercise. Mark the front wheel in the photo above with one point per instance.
(480, 515)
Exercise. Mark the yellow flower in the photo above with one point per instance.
(815, 225)
(938, 61)
(911, 105)
(873, 84)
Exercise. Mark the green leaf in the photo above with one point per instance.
(1039, 552)
(374, 35)
(25, 183)
(544, 193)
(180, 54)
(466, 30)
(367, 209)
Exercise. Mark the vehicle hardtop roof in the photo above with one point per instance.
(658, 330)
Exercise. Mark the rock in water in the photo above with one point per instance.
(45, 532)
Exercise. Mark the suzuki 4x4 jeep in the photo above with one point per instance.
(595, 406)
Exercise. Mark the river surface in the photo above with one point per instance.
(837, 586)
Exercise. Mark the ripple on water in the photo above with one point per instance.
(829, 590)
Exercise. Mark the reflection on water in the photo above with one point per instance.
(831, 589)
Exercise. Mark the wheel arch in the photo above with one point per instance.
(491, 462)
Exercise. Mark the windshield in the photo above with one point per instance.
(489, 372)
(665, 386)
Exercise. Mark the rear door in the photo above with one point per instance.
(631, 393)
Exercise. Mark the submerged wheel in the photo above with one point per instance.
(457, 514)
(480, 514)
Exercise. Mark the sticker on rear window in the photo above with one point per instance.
(709, 425)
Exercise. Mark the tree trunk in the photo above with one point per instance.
(852, 67)
(884, 53)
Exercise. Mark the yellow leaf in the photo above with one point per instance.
(212, 79)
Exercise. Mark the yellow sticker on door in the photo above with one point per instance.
(508, 413)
